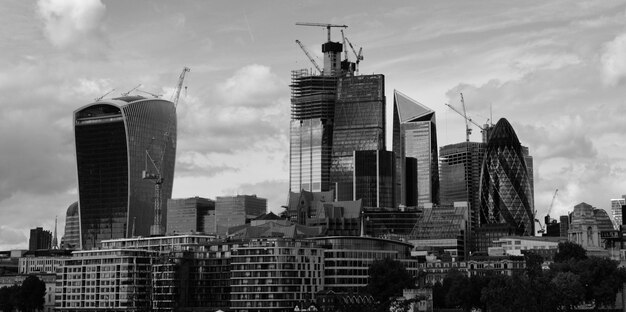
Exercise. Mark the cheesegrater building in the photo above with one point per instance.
(113, 139)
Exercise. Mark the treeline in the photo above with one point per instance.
(26, 297)
(573, 279)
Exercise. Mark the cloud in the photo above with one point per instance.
(9, 236)
(251, 86)
(614, 60)
(74, 24)
(250, 108)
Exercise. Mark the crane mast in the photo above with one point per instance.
(152, 169)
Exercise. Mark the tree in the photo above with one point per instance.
(569, 291)
(8, 298)
(569, 250)
(31, 295)
(387, 279)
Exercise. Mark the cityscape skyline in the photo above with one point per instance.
(237, 103)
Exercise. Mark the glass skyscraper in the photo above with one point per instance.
(419, 140)
(112, 139)
(311, 131)
(505, 186)
(359, 126)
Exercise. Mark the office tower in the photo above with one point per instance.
(505, 189)
(459, 175)
(71, 238)
(359, 126)
(116, 140)
(373, 180)
(443, 228)
(419, 140)
(311, 127)
(39, 239)
(187, 215)
(409, 182)
(616, 209)
(237, 210)
(564, 225)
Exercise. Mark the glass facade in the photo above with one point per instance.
(71, 238)
(374, 178)
(237, 210)
(459, 172)
(112, 137)
(187, 215)
(311, 128)
(505, 188)
(419, 141)
(359, 125)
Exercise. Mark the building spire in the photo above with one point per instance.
(55, 242)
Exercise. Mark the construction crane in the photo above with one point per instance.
(358, 56)
(152, 168)
(468, 130)
(328, 26)
(551, 204)
(153, 94)
(181, 78)
(547, 219)
(131, 90)
(100, 98)
(309, 56)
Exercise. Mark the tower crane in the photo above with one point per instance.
(328, 26)
(131, 90)
(152, 168)
(100, 98)
(547, 219)
(468, 130)
(150, 93)
(309, 56)
(358, 56)
(181, 78)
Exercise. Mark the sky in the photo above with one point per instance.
(555, 69)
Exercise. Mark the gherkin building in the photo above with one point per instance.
(505, 184)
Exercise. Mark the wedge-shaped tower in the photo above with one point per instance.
(505, 185)
(112, 137)
(418, 130)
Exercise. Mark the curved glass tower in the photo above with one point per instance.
(505, 185)
(112, 137)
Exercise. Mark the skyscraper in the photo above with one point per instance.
(505, 187)
(114, 138)
(373, 180)
(419, 140)
(71, 238)
(39, 239)
(359, 126)
(459, 174)
(616, 209)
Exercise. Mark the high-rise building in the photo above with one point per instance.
(116, 140)
(187, 215)
(373, 179)
(359, 126)
(419, 140)
(505, 187)
(39, 239)
(459, 174)
(71, 238)
(616, 209)
(237, 210)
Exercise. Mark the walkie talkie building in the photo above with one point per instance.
(112, 137)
